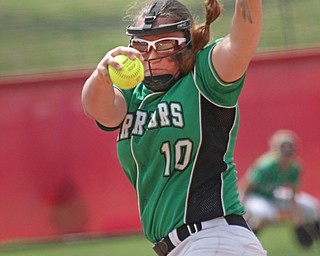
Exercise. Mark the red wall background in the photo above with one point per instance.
(282, 91)
(60, 174)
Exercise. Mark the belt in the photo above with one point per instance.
(168, 243)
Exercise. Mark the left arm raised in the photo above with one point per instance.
(233, 54)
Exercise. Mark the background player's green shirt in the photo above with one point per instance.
(177, 147)
(266, 175)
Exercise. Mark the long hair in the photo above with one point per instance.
(200, 34)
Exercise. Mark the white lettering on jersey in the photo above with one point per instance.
(165, 115)
(127, 123)
(153, 121)
(176, 113)
(140, 121)
(163, 110)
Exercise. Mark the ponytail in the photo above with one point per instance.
(200, 34)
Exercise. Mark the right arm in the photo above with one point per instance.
(232, 56)
(100, 100)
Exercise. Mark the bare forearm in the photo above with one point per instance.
(246, 27)
(232, 56)
(99, 100)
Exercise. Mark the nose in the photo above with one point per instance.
(153, 56)
(152, 53)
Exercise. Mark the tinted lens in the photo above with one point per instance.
(140, 46)
(165, 45)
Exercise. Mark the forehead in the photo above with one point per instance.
(159, 21)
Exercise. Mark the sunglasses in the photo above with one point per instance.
(162, 45)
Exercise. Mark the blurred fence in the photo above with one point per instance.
(60, 174)
(46, 34)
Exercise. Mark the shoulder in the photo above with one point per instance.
(206, 51)
(209, 83)
(266, 159)
(264, 163)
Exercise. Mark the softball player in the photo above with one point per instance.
(270, 190)
(177, 129)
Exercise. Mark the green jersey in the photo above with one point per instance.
(176, 148)
(266, 175)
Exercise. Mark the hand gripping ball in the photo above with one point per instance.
(130, 75)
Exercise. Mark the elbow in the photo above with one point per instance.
(87, 113)
(86, 107)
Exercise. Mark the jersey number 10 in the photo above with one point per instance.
(180, 153)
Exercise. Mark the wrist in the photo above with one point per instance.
(102, 76)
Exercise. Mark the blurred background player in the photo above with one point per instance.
(270, 190)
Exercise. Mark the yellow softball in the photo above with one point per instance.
(130, 75)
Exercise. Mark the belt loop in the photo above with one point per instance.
(189, 230)
(195, 227)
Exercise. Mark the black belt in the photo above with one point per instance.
(164, 246)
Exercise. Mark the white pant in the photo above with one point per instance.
(261, 209)
(220, 239)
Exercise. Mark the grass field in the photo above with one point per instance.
(277, 240)
(59, 34)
